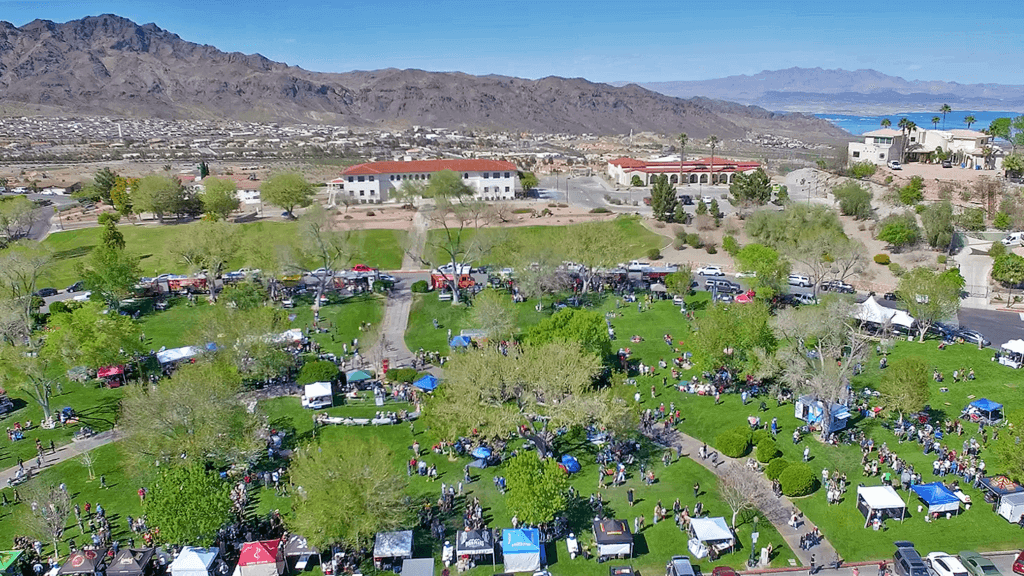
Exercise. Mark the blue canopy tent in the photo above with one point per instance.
(428, 382)
(357, 376)
(569, 463)
(937, 497)
(983, 408)
(481, 452)
(460, 342)
(522, 549)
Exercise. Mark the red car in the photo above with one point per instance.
(723, 571)
(361, 268)
(1018, 564)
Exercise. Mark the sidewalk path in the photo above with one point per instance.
(778, 513)
(65, 452)
(417, 242)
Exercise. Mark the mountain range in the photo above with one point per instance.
(816, 90)
(110, 65)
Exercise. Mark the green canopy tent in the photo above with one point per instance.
(9, 562)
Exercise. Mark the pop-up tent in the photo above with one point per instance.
(298, 550)
(9, 562)
(872, 500)
(131, 562)
(357, 376)
(481, 452)
(428, 382)
(522, 549)
(1011, 506)
(418, 567)
(708, 533)
(177, 354)
(569, 463)
(937, 497)
(984, 409)
(263, 558)
(613, 537)
(460, 342)
(391, 546)
(85, 562)
(194, 562)
(475, 543)
(318, 395)
(871, 311)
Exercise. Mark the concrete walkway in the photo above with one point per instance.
(65, 452)
(778, 513)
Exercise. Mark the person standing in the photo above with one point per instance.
(696, 489)
(629, 497)
(807, 453)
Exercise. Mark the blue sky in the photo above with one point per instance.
(600, 40)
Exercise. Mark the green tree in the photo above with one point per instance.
(702, 208)
(494, 314)
(886, 123)
(771, 268)
(90, 336)
(663, 199)
(159, 194)
(969, 119)
(733, 336)
(112, 237)
(188, 504)
(753, 188)
(730, 245)
(1002, 221)
(1000, 128)
(247, 340)
(1013, 163)
(17, 214)
(585, 327)
(595, 245)
(244, 295)
(121, 195)
(349, 492)
(536, 488)
(678, 282)
(220, 198)
(21, 265)
(110, 274)
(207, 247)
(913, 192)
(321, 246)
(907, 126)
(931, 296)
(904, 385)
(287, 190)
(636, 181)
(104, 181)
(972, 219)
(528, 181)
(854, 200)
(1008, 269)
(204, 170)
(447, 185)
(318, 371)
(944, 109)
(938, 224)
(936, 120)
(899, 230)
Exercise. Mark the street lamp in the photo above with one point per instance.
(753, 542)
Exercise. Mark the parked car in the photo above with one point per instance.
(894, 165)
(322, 272)
(978, 565)
(890, 296)
(46, 292)
(76, 287)
(972, 336)
(686, 199)
(947, 164)
(800, 280)
(836, 286)
(805, 299)
(707, 198)
(1013, 238)
(724, 298)
(1018, 564)
(710, 271)
(679, 566)
(746, 274)
(906, 561)
(361, 268)
(722, 286)
(943, 564)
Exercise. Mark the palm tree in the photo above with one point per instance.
(935, 121)
(945, 109)
(713, 143)
(683, 139)
(886, 123)
(906, 127)
(969, 120)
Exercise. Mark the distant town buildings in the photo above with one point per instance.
(373, 182)
(967, 147)
(702, 171)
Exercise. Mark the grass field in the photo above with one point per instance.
(426, 307)
(155, 245)
(528, 240)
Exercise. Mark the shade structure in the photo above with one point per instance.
(298, 550)
(460, 342)
(883, 500)
(986, 405)
(262, 558)
(357, 376)
(194, 562)
(131, 562)
(521, 549)
(871, 311)
(108, 371)
(177, 354)
(426, 382)
(84, 562)
(317, 393)
(418, 567)
(937, 497)
(1000, 485)
(475, 543)
(613, 537)
(393, 544)
(710, 529)
(570, 464)
(1015, 346)
(481, 452)
(659, 287)
(9, 562)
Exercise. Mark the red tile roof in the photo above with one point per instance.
(428, 166)
(699, 165)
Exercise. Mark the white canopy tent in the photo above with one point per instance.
(176, 354)
(871, 311)
(318, 395)
(1015, 346)
(709, 533)
(194, 562)
(881, 500)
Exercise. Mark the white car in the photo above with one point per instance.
(799, 280)
(710, 271)
(321, 272)
(943, 564)
(746, 274)
(805, 299)
(895, 165)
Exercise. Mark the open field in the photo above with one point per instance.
(426, 308)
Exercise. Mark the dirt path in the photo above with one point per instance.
(65, 452)
(778, 514)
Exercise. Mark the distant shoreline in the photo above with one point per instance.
(860, 123)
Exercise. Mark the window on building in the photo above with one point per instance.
(466, 175)
(362, 192)
(486, 189)
(507, 174)
(913, 138)
(391, 177)
(487, 174)
(351, 179)
(362, 178)
(856, 154)
(506, 188)
(371, 178)
(881, 156)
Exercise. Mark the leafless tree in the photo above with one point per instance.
(51, 507)
(743, 489)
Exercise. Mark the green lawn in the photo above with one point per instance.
(526, 240)
(426, 307)
(155, 244)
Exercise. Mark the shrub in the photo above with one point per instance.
(882, 259)
(654, 254)
(920, 208)
(406, 375)
(371, 213)
(798, 480)
(693, 239)
(775, 468)
(710, 247)
(317, 371)
(420, 286)
(552, 205)
(599, 210)
(760, 434)
(897, 270)
(914, 192)
(972, 219)
(636, 181)
(997, 250)
(522, 211)
(732, 444)
(730, 245)
(899, 230)
(1002, 221)
(863, 169)
(937, 220)
(854, 200)
(561, 205)
(767, 450)
(888, 179)
(941, 258)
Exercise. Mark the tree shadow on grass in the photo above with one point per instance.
(76, 252)
(102, 414)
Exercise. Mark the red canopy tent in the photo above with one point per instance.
(263, 558)
(114, 375)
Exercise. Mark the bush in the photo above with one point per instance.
(997, 250)
(371, 213)
(767, 450)
(317, 371)
(561, 205)
(599, 210)
(732, 444)
(730, 245)
(406, 375)
(710, 247)
(920, 208)
(888, 179)
(552, 205)
(654, 254)
(798, 480)
(1002, 221)
(897, 270)
(972, 219)
(899, 230)
(914, 192)
(863, 169)
(854, 200)
(693, 239)
(522, 211)
(882, 259)
(759, 435)
(775, 468)
(938, 224)
(420, 287)
(941, 258)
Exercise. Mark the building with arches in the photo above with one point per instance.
(701, 171)
(372, 182)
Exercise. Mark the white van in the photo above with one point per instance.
(1013, 238)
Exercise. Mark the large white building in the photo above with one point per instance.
(372, 183)
(968, 147)
(701, 171)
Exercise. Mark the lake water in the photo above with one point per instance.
(855, 124)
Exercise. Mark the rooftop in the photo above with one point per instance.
(428, 166)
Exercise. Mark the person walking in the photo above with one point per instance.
(696, 489)
(807, 453)
(629, 497)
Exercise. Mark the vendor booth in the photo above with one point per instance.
(418, 567)
(263, 558)
(812, 411)
(872, 312)
(112, 376)
(999, 489)
(1012, 353)
(522, 550)
(983, 410)
(9, 562)
(613, 539)
(318, 395)
(353, 376)
(460, 342)
(194, 562)
(880, 502)
(474, 543)
(710, 534)
(85, 562)
(177, 354)
(1011, 506)
(938, 498)
(428, 382)
(391, 547)
(298, 552)
(132, 562)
